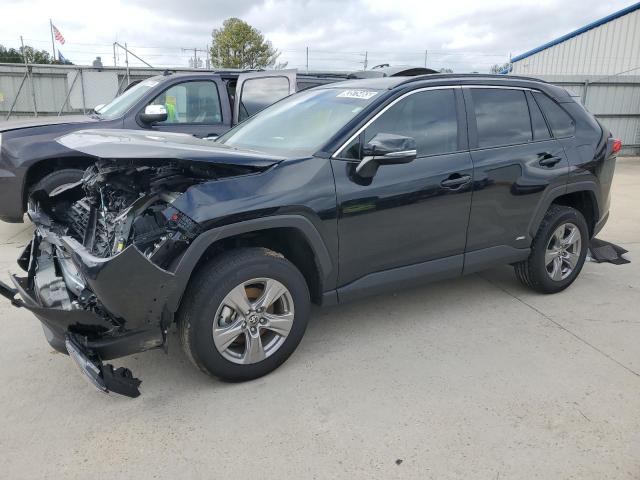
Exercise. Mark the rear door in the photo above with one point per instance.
(257, 90)
(196, 107)
(515, 160)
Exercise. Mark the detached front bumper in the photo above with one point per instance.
(93, 308)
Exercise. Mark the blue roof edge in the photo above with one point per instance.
(577, 32)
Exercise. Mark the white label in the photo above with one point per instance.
(361, 94)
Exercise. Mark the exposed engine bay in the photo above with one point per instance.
(119, 203)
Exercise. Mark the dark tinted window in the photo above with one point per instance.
(259, 93)
(561, 123)
(540, 130)
(429, 117)
(502, 117)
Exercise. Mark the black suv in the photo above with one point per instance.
(338, 192)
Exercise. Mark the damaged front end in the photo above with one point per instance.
(100, 265)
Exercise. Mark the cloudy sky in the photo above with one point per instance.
(464, 35)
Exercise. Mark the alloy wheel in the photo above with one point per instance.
(563, 251)
(253, 321)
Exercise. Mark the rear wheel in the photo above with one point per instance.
(244, 314)
(557, 253)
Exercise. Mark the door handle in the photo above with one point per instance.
(549, 160)
(455, 181)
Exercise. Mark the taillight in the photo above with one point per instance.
(617, 145)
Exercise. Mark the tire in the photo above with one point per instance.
(206, 306)
(536, 272)
(57, 179)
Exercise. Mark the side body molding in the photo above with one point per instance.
(194, 253)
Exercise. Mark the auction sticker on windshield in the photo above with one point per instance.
(361, 94)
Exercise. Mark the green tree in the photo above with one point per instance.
(239, 45)
(11, 55)
(36, 56)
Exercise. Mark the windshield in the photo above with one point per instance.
(301, 123)
(119, 105)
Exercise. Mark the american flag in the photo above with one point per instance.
(57, 34)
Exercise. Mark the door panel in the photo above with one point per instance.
(405, 216)
(509, 184)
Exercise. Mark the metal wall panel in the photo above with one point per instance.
(611, 48)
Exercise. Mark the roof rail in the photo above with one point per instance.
(437, 76)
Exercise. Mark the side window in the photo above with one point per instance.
(562, 125)
(540, 129)
(429, 117)
(259, 93)
(191, 102)
(502, 117)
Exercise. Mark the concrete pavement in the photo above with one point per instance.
(471, 378)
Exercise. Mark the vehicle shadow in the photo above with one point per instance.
(332, 331)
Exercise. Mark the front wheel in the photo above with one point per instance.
(244, 314)
(558, 251)
(55, 182)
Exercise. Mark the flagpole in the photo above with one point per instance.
(53, 45)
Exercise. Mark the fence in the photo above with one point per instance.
(43, 90)
(64, 89)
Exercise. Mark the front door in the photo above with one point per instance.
(193, 107)
(411, 213)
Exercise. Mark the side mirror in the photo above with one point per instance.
(154, 114)
(386, 149)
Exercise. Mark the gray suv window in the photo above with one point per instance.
(502, 117)
(259, 93)
(191, 103)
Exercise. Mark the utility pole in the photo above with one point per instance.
(307, 59)
(366, 59)
(29, 77)
(195, 54)
(425, 59)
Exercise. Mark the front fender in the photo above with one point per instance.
(196, 250)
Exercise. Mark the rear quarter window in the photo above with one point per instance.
(560, 122)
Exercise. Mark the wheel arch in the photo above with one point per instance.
(294, 236)
(41, 168)
(583, 196)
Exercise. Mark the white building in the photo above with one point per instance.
(609, 46)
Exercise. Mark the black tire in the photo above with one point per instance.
(532, 272)
(205, 294)
(56, 179)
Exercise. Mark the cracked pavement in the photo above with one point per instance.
(469, 378)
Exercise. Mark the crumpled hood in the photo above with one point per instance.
(44, 121)
(136, 144)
